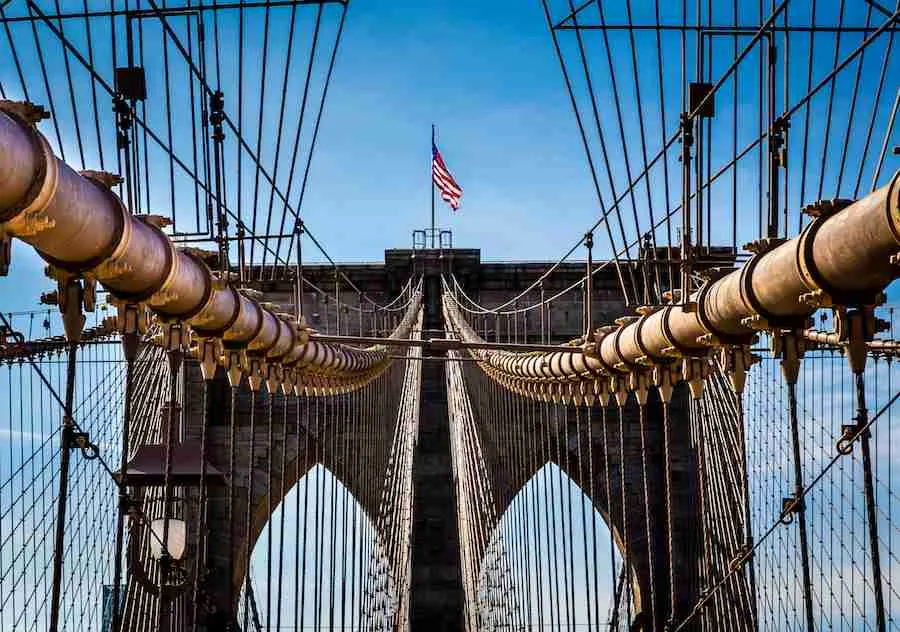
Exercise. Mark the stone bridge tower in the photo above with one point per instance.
(437, 600)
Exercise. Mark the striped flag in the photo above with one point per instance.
(451, 192)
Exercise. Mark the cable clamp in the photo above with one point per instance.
(850, 433)
(791, 505)
(81, 441)
(744, 555)
(23, 110)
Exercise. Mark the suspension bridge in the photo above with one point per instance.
(684, 422)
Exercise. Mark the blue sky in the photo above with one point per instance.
(485, 74)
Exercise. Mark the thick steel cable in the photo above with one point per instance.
(596, 116)
(129, 346)
(230, 506)
(200, 569)
(869, 492)
(270, 395)
(800, 510)
(309, 68)
(248, 515)
(283, 496)
(65, 452)
(300, 580)
(623, 497)
(648, 516)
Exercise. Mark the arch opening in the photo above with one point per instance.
(318, 563)
(553, 562)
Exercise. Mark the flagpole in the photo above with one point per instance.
(432, 186)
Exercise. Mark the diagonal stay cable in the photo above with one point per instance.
(109, 89)
(780, 520)
(787, 114)
(312, 147)
(256, 159)
(96, 454)
(161, 15)
(604, 212)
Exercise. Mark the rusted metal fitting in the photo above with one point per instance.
(791, 505)
(255, 370)
(665, 377)
(130, 317)
(638, 382)
(274, 378)
(789, 346)
(130, 320)
(291, 379)
(736, 362)
(71, 300)
(27, 112)
(176, 336)
(82, 441)
(844, 445)
(744, 555)
(618, 384)
(694, 371)
(855, 327)
(208, 354)
(588, 396)
(234, 362)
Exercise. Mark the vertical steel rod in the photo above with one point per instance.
(589, 285)
(129, 351)
(801, 513)
(862, 417)
(687, 141)
(71, 300)
(62, 500)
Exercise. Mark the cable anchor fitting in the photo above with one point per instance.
(850, 433)
(791, 505)
(82, 441)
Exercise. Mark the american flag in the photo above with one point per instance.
(450, 190)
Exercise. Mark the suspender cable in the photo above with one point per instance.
(584, 529)
(254, 382)
(208, 369)
(175, 343)
(604, 408)
(287, 395)
(300, 578)
(129, 351)
(73, 290)
(234, 380)
(857, 359)
(570, 557)
(621, 397)
(642, 394)
(790, 365)
(270, 396)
